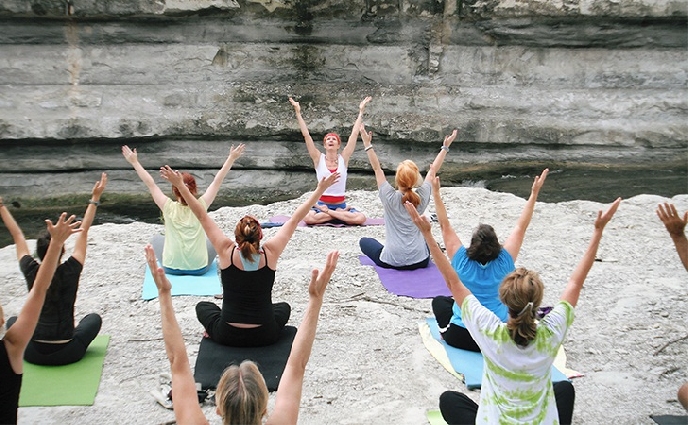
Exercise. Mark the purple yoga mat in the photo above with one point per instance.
(281, 219)
(419, 283)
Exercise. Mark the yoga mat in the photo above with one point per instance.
(420, 283)
(74, 384)
(469, 364)
(670, 419)
(213, 358)
(206, 284)
(278, 220)
(435, 417)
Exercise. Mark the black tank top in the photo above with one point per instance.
(247, 295)
(9, 390)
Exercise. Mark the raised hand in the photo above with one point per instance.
(63, 228)
(435, 184)
(172, 176)
(669, 216)
(539, 181)
(364, 102)
(450, 138)
(604, 217)
(130, 155)
(297, 106)
(99, 187)
(328, 181)
(161, 281)
(420, 221)
(367, 137)
(235, 153)
(319, 280)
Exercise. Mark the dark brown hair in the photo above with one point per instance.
(484, 246)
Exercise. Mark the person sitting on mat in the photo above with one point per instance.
(184, 249)
(241, 396)
(56, 341)
(15, 340)
(482, 266)
(518, 355)
(676, 226)
(405, 248)
(247, 271)
(332, 207)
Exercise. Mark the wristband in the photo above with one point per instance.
(444, 148)
(96, 203)
(368, 148)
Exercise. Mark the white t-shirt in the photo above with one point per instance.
(516, 386)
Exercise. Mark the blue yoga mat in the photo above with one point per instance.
(419, 283)
(469, 363)
(206, 284)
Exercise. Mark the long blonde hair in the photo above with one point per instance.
(522, 292)
(242, 396)
(406, 178)
(248, 234)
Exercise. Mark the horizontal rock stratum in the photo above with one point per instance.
(528, 83)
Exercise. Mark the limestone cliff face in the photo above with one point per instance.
(530, 82)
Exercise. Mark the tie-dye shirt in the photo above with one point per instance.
(516, 386)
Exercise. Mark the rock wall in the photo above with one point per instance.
(572, 83)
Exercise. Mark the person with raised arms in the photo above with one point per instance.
(516, 385)
(13, 342)
(241, 396)
(332, 206)
(247, 271)
(482, 266)
(184, 249)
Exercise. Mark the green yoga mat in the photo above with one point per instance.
(435, 417)
(74, 384)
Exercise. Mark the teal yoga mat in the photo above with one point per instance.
(470, 364)
(206, 284)
(74, 384)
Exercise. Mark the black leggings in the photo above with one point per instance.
(372, 248)
(455, 335)
(458, 408)
(47, 354)
(210, 315)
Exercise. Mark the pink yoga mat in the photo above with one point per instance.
(281, 219)
(419, 283)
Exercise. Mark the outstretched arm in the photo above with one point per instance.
(211, 191)
(18, 336)
(15, 231)
(515, 239)
(676, 228)
(458, 290)
(212, 230)
(186, 408)
(449, 236)
(575, 283)
(313, 152)
(132, 158)
(367, 137)
(353, 137)
(277, 243)
(288, 397)
(439, 159)
(79, 252)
